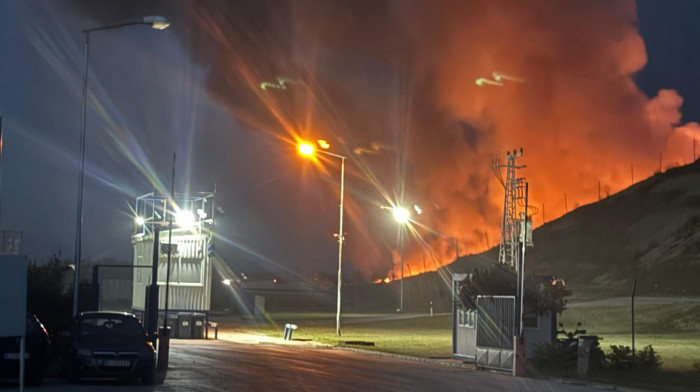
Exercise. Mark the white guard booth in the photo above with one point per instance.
(482, 332)
(192, 250)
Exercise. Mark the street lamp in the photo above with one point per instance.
(308, 149)
(402, 216)
(156, 22)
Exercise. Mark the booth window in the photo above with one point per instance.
(466, 318)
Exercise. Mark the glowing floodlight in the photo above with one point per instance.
(157, 22)
(401, 214)
(306, 149)
(323, 144)
(185, 218)
(227, 282)
(140, 221)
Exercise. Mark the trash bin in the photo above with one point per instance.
(198, 326)
(184, 326)
(172, 325)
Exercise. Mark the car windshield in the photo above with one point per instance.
(110, 325)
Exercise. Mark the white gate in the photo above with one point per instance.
(495, 329)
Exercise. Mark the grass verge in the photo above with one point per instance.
(671, 329)
(427, 337)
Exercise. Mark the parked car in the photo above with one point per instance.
(37, 352)
(110, 344)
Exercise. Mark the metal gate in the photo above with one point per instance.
(495, 329)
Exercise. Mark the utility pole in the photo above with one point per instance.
(632, 173)
(515, 188)
(543, 219)
(523, 240)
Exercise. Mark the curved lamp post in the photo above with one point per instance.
(308, 149)
(156, 22)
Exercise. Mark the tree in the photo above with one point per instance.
(50, 293)
(541, 294)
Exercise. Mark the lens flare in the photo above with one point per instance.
(401, 215)
(306, 149)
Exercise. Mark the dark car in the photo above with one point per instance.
(37, 352)
(110, 344)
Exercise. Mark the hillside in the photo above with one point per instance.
(648, 232)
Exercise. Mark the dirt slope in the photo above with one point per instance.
(649, 232)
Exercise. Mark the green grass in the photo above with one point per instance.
(421, 337)
(671, 329)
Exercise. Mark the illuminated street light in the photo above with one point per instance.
(401, 215)
(185, 219)
(156, 22)
(227, 282)
(308, 149)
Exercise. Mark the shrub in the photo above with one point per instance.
(561, 357)
(554, 358)
(696, 367)
(622, 358)
(648, 359)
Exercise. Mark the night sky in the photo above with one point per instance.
(595, 87)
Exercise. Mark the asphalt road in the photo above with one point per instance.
(245, 363)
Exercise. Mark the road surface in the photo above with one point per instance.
(251, 363)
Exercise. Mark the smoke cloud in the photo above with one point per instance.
(395, 80)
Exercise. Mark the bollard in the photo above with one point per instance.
(288, 329)
(214, 325)
(163, 348)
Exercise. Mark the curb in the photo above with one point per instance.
(606, 387)
(601, 386)
(403, 356)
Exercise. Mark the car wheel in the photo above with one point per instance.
(149, 378)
